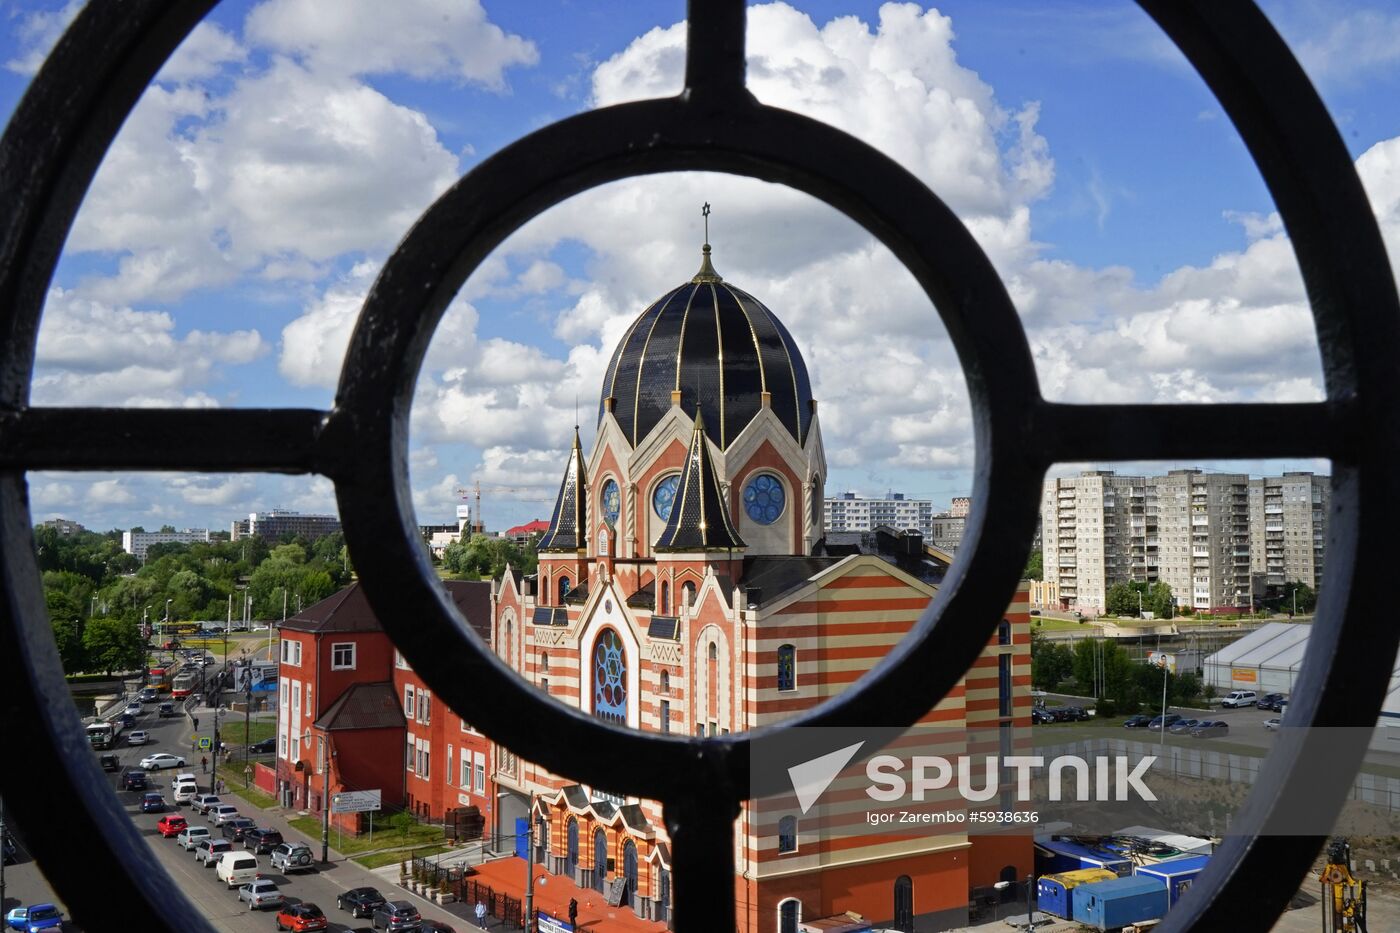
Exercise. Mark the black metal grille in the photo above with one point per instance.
(93, 78)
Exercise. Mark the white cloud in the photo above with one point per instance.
(202, 55)
(426, 39)
(38, 33)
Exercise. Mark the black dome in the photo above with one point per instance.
(719, 347)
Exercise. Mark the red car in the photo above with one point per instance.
(172, 824)
(301, 917)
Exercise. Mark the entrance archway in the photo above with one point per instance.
(629, 871)
(600, 860)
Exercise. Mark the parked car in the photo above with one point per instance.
(1273, 723)
(134, 780)
(237, 868)
(1071, 714)
(1183, 726)
(261, 840)
(191, 836)
(167, 709)
(1271, 701)
(394, 916)
(288, 857)
(360, 902)
(202, 802)
(233, 830)
(110, 763)
(1137, 722)
(162, 760)
(42, 917)
(268, 744)
(1238, 698)
(210, 850)
(261, 894)
(1159, 723)
(222, 813)
(301, 918)
(172, 824)
(14, 920)
(1040, 716)
(1211, 728)
(139, 737)
(152, 802)
(437, 926)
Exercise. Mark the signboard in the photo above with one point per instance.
(548, 924)
(1244, 675)
(355, 801)
(616, 889)
(1162, 659)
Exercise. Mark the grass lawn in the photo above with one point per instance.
(380, 859)
(418, 835)
(1060, 625)
(251, 794)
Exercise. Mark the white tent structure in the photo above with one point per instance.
(1268, 659)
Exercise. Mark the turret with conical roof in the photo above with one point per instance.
(568, 526)
(699, 518)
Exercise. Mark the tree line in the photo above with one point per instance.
(1101, 667)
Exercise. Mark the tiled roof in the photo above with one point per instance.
(568, 526)
(364, 706)
(349, 611)
(699, 519)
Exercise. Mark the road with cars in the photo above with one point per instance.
(321, 885)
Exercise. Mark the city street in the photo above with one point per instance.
(26, 885)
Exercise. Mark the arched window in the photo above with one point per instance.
(712, 684)
(610, 678)
(602, 542)
(571, 852)
(508, 649)
(665, 681)
(688, 589)
(787, 667)
(789, 915)
(544, 662)
(787, 835)
(1004, 632)
(629, 872)
(564, 588)
(663, 605)
(600, 859)
(904, 904)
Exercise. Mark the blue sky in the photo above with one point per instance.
(250, 200)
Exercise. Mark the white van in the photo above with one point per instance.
(183, 777)
(1238, 698)
(186, 791)
(237, 868)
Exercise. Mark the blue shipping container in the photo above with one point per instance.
(1055, 893)
(1109, 905)
(1177, 873)
(1053, 856)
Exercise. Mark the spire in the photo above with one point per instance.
(707, 272)
(568, 526)
(699, 519)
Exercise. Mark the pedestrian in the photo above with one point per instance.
(196, 723)
(480, 914)
(204, 764)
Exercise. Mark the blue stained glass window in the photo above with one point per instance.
(764, 498)
(610, 678)
(612, 502)
(665, 496)
(787, 667)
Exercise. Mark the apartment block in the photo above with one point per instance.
(850, 512)
(275, 523)
(136, 543)
(1097, 529)
(1203, 527)
(1288, 527)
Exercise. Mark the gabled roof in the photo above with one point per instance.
(538, 526)
(568, 526)
(364, 706)
(768, 577)
(699, 518)
(348, 610)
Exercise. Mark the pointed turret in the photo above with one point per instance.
(699, 519)
(568, 526)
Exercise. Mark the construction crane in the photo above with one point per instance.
(1343, 897)
(523, 493)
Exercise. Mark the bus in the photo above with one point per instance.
(101, 734)
(158, 678)
(183, 684)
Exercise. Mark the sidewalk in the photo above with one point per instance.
(552, 895)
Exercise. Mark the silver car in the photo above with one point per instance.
(260, 894)
(209, 850)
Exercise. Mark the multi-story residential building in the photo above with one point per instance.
(1203, 527)
(63, 526)
(946, 531)
(960, 506)
(850, 512)
(1288, 528)
(278, 522)
(136, 543)
(1098, 529)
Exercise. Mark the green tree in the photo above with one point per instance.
(1122, 599)
(1159, 600)
(1051, 661)
(113, 644)
(68, 635)
(1035, 567)
(1306, 599)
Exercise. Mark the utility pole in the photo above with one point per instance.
(325, 801)
(530, 863)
